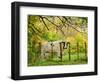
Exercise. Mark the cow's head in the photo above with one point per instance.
(65, 45)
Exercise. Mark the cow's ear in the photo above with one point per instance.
(64, 45)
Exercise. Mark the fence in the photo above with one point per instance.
(78, 48)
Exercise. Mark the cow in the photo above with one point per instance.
(47, 48)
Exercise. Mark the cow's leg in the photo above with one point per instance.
(58, 54)
(42, 54)
(46, 56)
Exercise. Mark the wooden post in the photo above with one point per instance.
(77, 50)
(69, 53)
(52, 50)
(85, 49)
(61, 48)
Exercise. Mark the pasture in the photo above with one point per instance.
(57, 40)
(56, 61)
(73, 55)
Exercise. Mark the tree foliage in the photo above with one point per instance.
(52, 28)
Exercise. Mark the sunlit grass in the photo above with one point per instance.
(74, 60)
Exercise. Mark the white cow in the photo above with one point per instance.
(47, 48)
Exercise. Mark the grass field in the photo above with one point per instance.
(74, 59)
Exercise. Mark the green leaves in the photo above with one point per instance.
(43, 29)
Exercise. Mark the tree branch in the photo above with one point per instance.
(61, 21)
(69, 23)
(35, 29)
(44, 22)
(55, 25)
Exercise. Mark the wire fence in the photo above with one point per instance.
(72, 49)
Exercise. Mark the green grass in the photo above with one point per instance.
(74, 60)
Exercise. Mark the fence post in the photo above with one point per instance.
(52, 50)
(69, 52)
(61, 47)
(85, 49)
(77, 50)
(39, 49)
